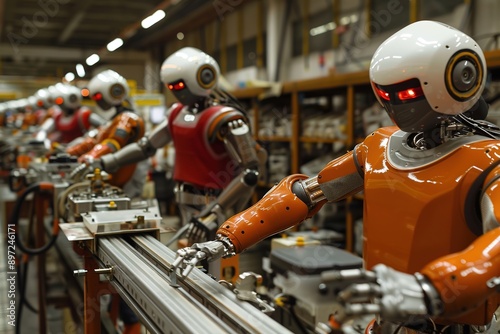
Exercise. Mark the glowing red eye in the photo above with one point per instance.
(382, 93)
(97, 96)
(59, 100)
(177, 85)
(409, 94)
(39, 103)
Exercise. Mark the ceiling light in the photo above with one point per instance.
(93, 59)
(114, 44)
(80, 70)
(69, 76)
(152, 19)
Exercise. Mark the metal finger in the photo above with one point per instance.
(177, 262)
(353, 275)
(187, 270)
(360, 291)
(362, 309)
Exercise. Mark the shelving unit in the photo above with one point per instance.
(346, 85)
(349, 85)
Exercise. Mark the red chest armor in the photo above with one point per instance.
(199, 160)
(72, 126)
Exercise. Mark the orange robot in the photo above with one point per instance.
(431, 192)
(109, 89)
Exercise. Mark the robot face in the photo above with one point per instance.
(69, 97)
(42, 98)
(407, 106)
(101, 102)
(427, 72)
(177, 86)
(190, 74)
(108, 89)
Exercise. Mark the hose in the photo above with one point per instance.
(41, 186)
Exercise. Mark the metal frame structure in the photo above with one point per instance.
(138, 268)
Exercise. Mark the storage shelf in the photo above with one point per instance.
(320, 140)
(274, 138)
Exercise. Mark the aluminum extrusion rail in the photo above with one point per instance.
(161, 307)
(240, 315)
(198, 304)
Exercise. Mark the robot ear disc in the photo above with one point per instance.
(206, 76)
(117, 91)
(464, 74)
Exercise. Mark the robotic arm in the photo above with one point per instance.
(251, 159)
(135, 152)
(294, 199)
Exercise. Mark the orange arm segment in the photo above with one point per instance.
(82, 148)
(461, 278)
(278, 210)
(125, 128)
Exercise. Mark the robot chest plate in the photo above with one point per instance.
(415, 199)
(401, 156)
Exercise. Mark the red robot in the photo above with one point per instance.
(69, 119)
(431, 192)
(109, 89)
(217, 161)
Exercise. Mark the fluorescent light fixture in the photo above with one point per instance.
(69, 76)
(346, 20)
(80, 70)
(322, 29)
(153, 18)
(114, 44)
(93, 59)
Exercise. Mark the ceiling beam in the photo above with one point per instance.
(62, 53)
(74, 21)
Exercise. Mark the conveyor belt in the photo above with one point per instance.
(197, 305)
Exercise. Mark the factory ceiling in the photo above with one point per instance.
(47, 38)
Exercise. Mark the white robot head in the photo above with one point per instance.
(109, 89)
(53, 93)
(68, 97)
(43, 98)
(426, 72)
(190, 74)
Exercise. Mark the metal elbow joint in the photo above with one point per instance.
(251, 177)
(308, 191)
(147, 147)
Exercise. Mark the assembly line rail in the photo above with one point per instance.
(141, 274)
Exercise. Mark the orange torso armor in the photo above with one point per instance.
(435, 182)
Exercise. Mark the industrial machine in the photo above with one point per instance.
(123, 254)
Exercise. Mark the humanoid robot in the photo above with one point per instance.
(216, 161)
(431, 192)
(110, 90)
(43, 101)
(69, 119)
